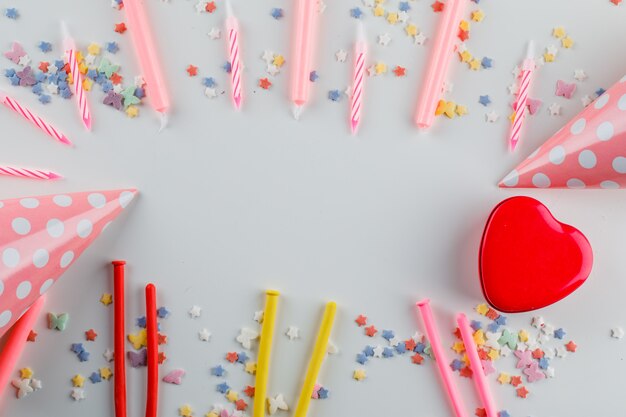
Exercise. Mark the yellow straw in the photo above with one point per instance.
(265, 349)
(319, 352)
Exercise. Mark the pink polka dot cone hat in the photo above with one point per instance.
(40, 237)
(588, 152)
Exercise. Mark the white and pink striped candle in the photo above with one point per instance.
(34, 174)
(358, 80)
(234, 56)
(47, 128)
(78, 88)
(519, 107)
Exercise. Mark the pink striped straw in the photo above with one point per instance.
(440, 357)
(358, 79)
(77, 77)
(33, 118)
(478, 373)
(232, 28)
(35, 174)
(438, 63)
(528, 68)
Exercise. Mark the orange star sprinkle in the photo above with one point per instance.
(522, 392)
(265, 83)
(120, 27)
(516, 381)
(210, 7)
(371, 331)
(437, 6)
(571, 346)
(91, 335)
(32, 336)
(192, 70)
(232, 357)
(249, 391)
(116, 78)
(417, 359)
(399, 71)
(361, 320)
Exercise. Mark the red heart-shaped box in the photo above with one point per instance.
(528, 259)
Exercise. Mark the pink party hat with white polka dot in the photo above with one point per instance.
(40, 237)
(588, 152)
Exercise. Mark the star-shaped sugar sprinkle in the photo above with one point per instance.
(106, 373)
(258, 316)
(419, 39)
(192, 70)
(91, 335)
(567, 42)
(109, 355)
(341, 55)
(504, 378)
(617, 332)
(380, 68)
(384, 39)
(359, 374)
(204, 335)
(78, 380)
(232, 396)
(378, 351)
(478, 15)
(32, 336)
(77, 394)
(484, 100)
(571, 346)
(44, 46)
(558, 32)
(492, 116)
(26, 373)
(361, 320)
(371, 331)
(35, 384)
(215, 33)
(250, 367)
(185, 411)
(437, 6)
(522, 392)
(356, 13)
(195, 312)
(554, 109)
(580, 75)
(292, 332)
(106, 299)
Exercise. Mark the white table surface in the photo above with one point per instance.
(233, 203)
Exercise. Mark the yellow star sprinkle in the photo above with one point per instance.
(493, 354)
(512, 117)
(392, 18)
(479, 337)
(279, 60)
(79, 57)
(211, 414)
(465, 359)
(379, 11)
(106, 373)
(464, 25)
(232, 396)
(482, 309)
(504, 378)
(250, 367)
(380, 68)
(411, 29)
(548, 57)
(132, 111)
(558, 32)
(461, 110)
(87, 84)
(106, 299)
(523, 336)
(93, 49)
(458, 347)
(478, 15)
(82, 68)
(78, 380)
(185, 411)
(26, 373)
(359, 374)
(474, 64)
(567, 42)
(466, 56)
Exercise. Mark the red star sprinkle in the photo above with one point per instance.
(32, 336)
(480, 412)
(522, 392)
(192, 70)
(457, 333)
(162, 358)
(571, 346)
(437, 6)
(210, 7)
(417, 359)
(361, 320)
(241, 405)
(466, 372)
(616, 2)
(537, 353)
(463, 35)
(116, 78)
(265, 84)
(43, 66)
(120, 27)
(66, 68)
(516, 380)
(399, 71)
(492, 314)
(483, 355)
(232, 357)
(249, 391)
(371, 331)
(91, 335)
(161, 339)
(410, 344)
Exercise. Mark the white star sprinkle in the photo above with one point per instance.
(384, 39)
(554, 109)
(586, 100)
(292, 332)
(204, 335)
(617, 332)
(492, 116)
(580, 75)
(195, 312)
(215, 33)
(258, 316)
(378, 351)
(341, 55)
(78, 394)
(109, 355)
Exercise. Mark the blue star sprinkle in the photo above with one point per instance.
(277, 13)
(419, 348)
(600, 91)
(218, 370)
(486, 63)
(112, 47)
(544, 363)
(501, 320)
(559, 333)
(222, 388)
(334, 95)
(457, 365)
(163, 312)
(356, 13)
(400, 348)
(95, 377)
(227, 67)
(77, 348)
(368, 351)
(44, 46)
(313, 76)
(84, 355)
(141, 322)
(209, 82)
(361, 358)
(503, 413)
(404, 6)
(493, 327)
(476, 325)
(11, 13)
(484, 100)
(387, 352)
(242, 357)
(322, 393)
(388, 334)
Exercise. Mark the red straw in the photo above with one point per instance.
(153, 351)
(120, 361)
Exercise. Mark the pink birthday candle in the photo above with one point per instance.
(525, 77)
(440, 357)
(79, 91)
(478, 374)
(234, 55)
(303, 47)
(439, 61)
(48, 129)
(146, 51)
(358, 79)
(35, 174)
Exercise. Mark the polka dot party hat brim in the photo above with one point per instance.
(588, 152)
(40, 237)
